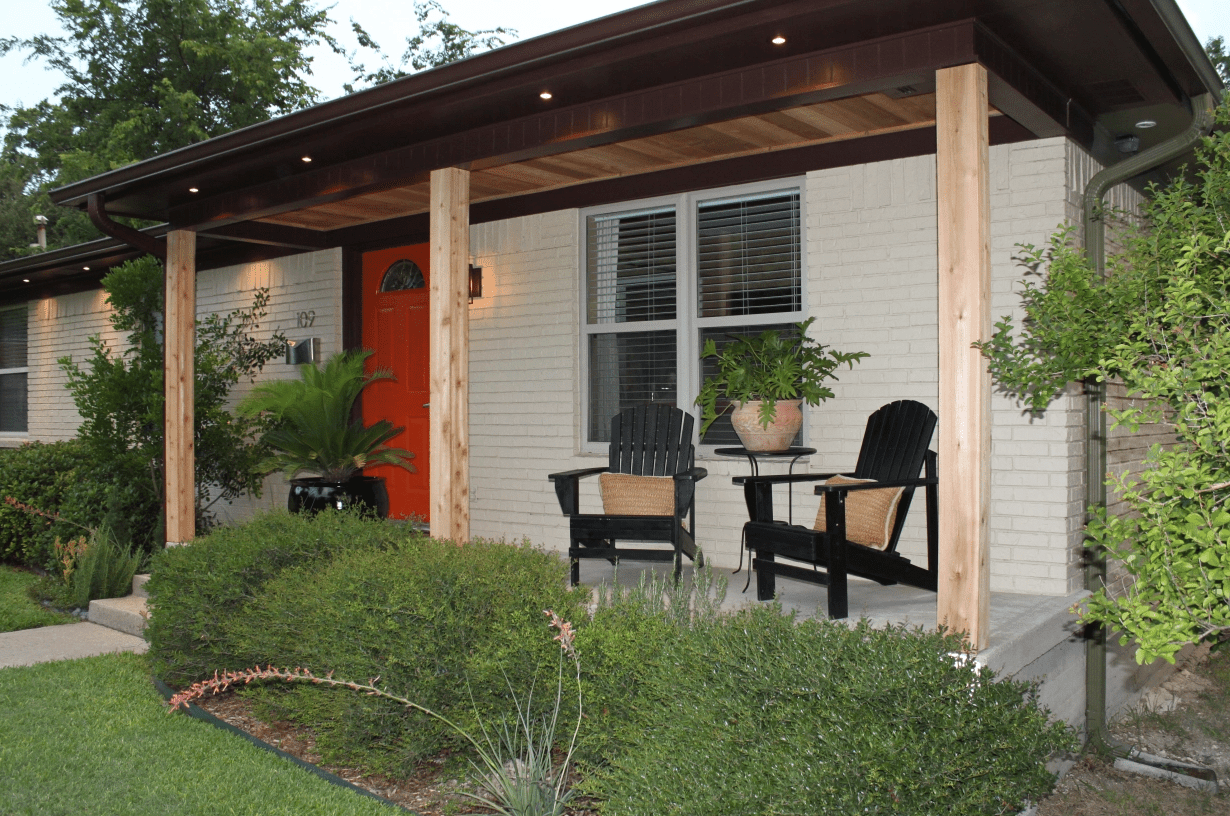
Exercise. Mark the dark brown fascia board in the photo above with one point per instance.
(804, 79)
(255, 232)
(680, 19)
(780, 164)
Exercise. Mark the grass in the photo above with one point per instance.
(17, 610)
(93, 736)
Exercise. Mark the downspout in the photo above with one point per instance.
(97, 208)
(1095, 429)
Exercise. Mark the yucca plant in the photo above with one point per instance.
(313, 430)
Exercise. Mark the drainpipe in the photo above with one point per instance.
(97, 209)
(1095, 392)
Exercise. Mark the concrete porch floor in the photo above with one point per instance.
(1033, 637)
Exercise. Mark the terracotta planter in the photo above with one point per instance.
(315, 494)
(781, 431)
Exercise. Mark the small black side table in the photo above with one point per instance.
(794, 453)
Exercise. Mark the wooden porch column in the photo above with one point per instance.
(964, 206)
(449, 423)
(178, 359)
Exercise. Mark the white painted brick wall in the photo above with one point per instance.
(62, 326)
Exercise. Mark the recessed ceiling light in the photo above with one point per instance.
(778, 40)
(25, 280)
(306, 159)
(86, 268)
(1145, 124)
(194, 189)
(544, 95)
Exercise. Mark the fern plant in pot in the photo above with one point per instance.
(313, 432)
(765, 379)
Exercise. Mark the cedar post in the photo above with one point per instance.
(178, 359)
(964, 204)
(449, 423)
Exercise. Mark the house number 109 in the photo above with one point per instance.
(306, 319)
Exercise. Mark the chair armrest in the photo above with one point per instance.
(693, 475)
(784, 478)
(849, 487)
(568, 489)
(576, 474)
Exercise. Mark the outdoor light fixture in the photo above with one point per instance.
(544, 95)
(778, 40)
(303, 352)
(1145, 124)
(476, 282)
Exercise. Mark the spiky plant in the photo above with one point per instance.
(313, 430)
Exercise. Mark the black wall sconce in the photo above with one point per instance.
(476, 282)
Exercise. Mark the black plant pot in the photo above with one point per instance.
(365, 492)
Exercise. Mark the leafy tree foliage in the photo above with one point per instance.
(1160, 322)
(1216, 49)
(438, 41)
(119, 393)
(142, 77)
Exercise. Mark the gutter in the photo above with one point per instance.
(1095, 429)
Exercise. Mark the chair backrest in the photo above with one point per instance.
(896, 441)
(651, 440)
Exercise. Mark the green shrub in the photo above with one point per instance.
(756, 714)
(196, 591)
(459, 630)
(104, 570)
(62, 478)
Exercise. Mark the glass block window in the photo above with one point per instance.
(13, 371)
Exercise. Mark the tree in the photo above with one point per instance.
(438, 42)
(119, 394)
(143, 77)
(1160, 323)
(1216, 49)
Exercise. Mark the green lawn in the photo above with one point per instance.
(17, 609)
(93, 736)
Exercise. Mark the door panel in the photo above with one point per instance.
(395, 326)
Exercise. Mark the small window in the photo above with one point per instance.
(402, 275)
(13, 371)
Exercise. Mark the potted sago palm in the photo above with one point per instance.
(313, 433)
(765, 378)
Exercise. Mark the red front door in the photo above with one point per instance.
(395, 328)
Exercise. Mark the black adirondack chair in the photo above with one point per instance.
(894, 453)
(649, 440)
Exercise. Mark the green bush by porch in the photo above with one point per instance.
(687, 710)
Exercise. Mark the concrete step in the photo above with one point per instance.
(122, 614)
(138, 585)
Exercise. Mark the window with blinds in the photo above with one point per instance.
(661, 279)
(13, 371)
(748, 256)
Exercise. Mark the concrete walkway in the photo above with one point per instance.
(64, 642)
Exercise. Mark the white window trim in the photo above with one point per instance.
(20, 435)
(686, 324)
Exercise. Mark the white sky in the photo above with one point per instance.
(26, 83)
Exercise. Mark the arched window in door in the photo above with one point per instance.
(402, 275)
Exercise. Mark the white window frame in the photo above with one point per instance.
(20, 370)
(686, 324)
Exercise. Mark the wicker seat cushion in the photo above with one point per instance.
(626, 495)
(870, 514)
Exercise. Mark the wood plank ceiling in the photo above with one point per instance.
(830, 121)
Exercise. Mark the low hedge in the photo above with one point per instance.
(199, 590)
(63, 478)
(459, 629)
(755, 713)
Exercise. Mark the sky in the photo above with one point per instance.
(26, 83)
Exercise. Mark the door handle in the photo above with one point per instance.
(426, 404)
